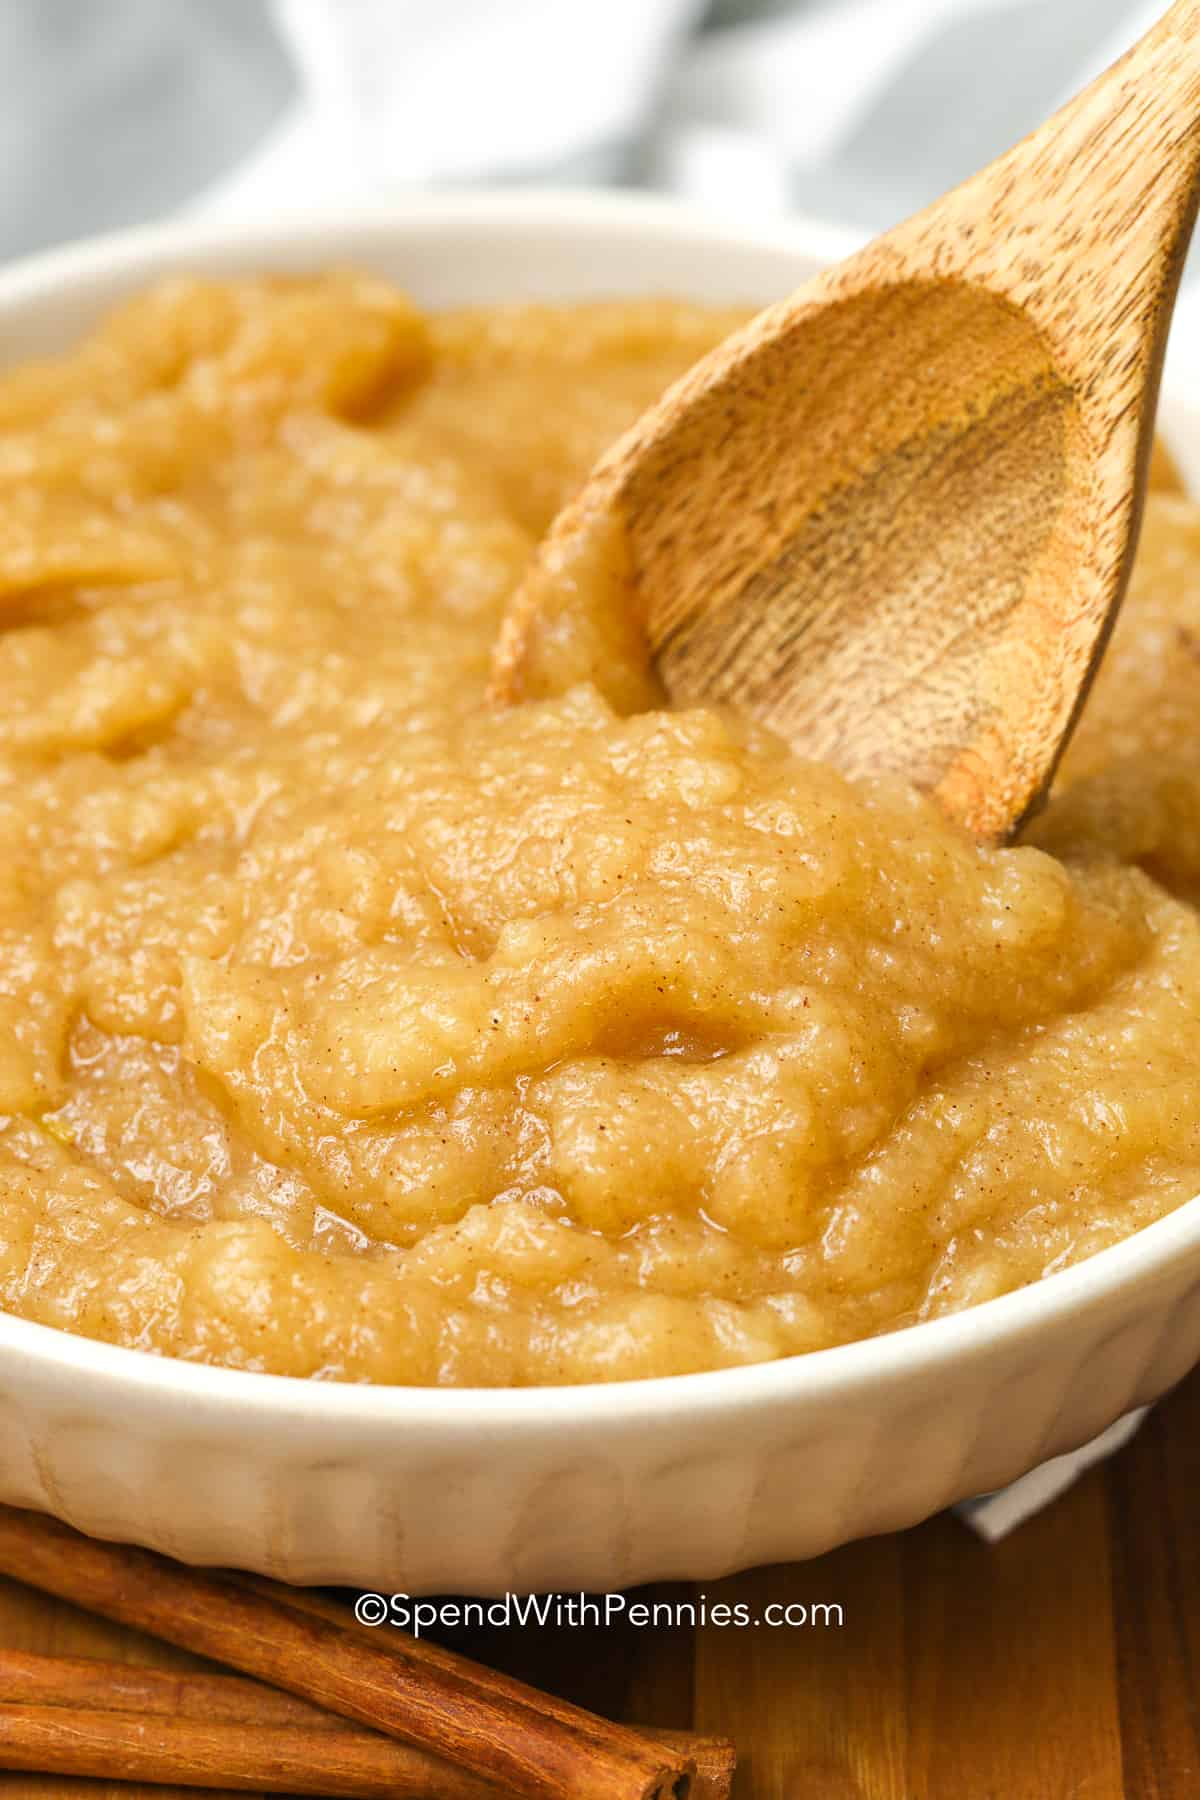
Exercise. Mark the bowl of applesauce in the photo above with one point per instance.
(445, 1147)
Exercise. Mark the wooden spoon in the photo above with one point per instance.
(894, 516)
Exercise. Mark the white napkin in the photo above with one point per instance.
(401, 93)
(855, 109)
(993, 1516)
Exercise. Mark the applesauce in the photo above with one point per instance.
(351, 1028)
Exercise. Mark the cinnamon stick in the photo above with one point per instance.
(715, 1758)
(30, 1685)
(291, 1759)
(91, 1684)
(496, 1728)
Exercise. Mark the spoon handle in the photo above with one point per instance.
(1086, 224)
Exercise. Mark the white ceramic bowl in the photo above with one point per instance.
(485, 1491)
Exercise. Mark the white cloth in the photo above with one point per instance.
(993, 1516)
(853, 109)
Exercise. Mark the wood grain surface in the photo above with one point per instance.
(1061, 1663)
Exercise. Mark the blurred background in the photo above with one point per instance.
(117, 111)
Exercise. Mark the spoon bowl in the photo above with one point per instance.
(831, 609)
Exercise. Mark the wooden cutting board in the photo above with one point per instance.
(1062, 1662)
